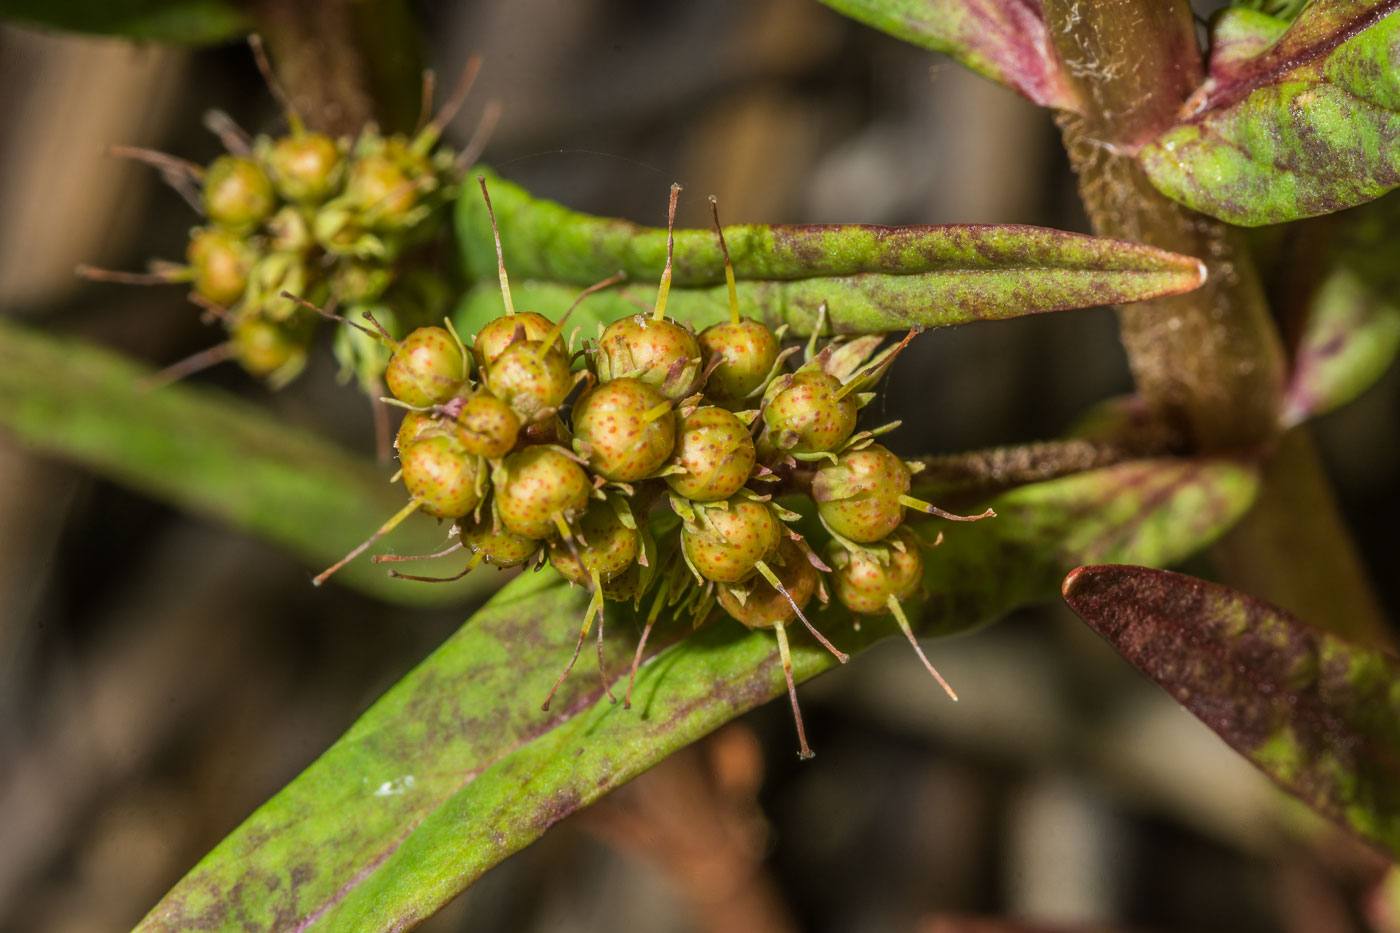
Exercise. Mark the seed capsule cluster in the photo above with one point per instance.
(332, 220)
(537, 461)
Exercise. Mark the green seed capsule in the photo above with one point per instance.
(264, 347)
(763, 605)
(661, 353)
(748, 351)
(441, 475)
(858, 496)
(499, 547)
(531, 378)
(492, 340)
(487, 426)
(716, 452)
(536, 488)
(237, 193)
(381, 189)
(221, 261)
(604, 544)
(307, 168)
(414, 425)
(730, 541)
(427, 368)
(864, 584)
(358, 282)
(625, 428)
(807, 413)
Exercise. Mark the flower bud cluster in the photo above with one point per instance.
(343, 222)
(538, 461)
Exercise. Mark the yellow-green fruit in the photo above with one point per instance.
(603, 544)
(716, 452)
(441, 475)
(221, 261)
(492, 340)
(807, 413)
(427, 368)
(728, 542)
(487, 426)
(747, 351)
(531, 378)
(385, 194)
(414, 425)
(536, 485)
(237, 193)
(264, 347)
(662, 353)
(864, 583)
(307, 168)
(624, 428)
(765, 607)
(858, 496)
(499, 547)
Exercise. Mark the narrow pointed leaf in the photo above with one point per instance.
(211, 454)
(1352, 331)
(183, 22)
(872, 278)
(456, 767)
(1004, 40)
(1319, 715)
(1309, 125)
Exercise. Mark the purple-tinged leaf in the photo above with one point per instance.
(456, 767)
(209, 453)
(1319, 715)
(1352, 328)
(1238, 37)
(1004, 40)
(1308, 126)
(871, 278)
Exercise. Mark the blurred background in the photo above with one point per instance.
(160, 676)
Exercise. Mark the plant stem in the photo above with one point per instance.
(345, 63)
(1210, 361)
(1293, 549)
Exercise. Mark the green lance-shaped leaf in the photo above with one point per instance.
(1309, 125)
(214, 455)
(1319, 715)
(456, 767)
(183, 22)
(1352, 330)
(871, 278)
(1004, 40)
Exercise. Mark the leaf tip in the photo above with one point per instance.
(1072, 582)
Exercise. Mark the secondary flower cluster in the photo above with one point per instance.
(327, 219)
(709, 424)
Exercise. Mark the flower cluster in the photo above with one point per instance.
(339, 222)
(535, 461)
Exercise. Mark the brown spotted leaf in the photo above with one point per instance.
(1319, 715)
(872, 279)
(1004, 40)
(456, 767)
(1304, 124)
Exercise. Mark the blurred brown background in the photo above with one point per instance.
(160, 677)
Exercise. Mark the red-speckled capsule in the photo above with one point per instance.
(625, 428)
